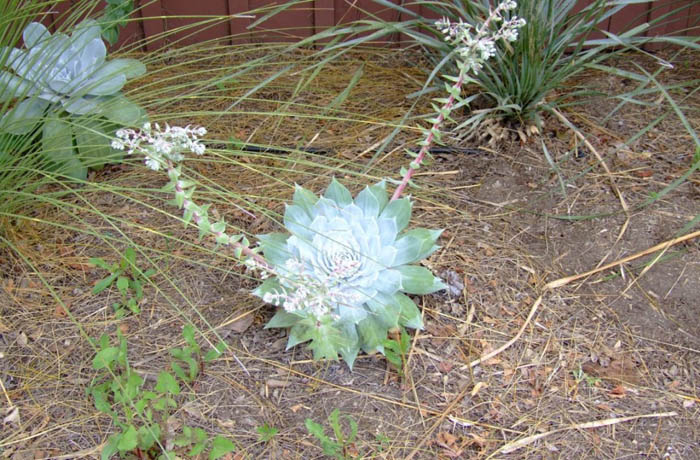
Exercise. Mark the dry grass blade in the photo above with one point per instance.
(513, 446)
(437, 423)
(661, 246)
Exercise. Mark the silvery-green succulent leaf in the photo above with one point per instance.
(338, 193)
(68, 70)
(415, 245)
(57, 142)
(93, 141)
(342, 270)
(283, 319)
(410, 315)
(12, 86)
(120, 110)
(400, 211)
(23, 117)
(82, 105)
(372, 199)
(57, 75)
(34, 33)
(275, 247)
(304, 198)
(419, 280)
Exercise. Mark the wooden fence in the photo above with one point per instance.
(158, 23)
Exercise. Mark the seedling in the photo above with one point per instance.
(580, 375)
(342, 447)
(267, 432)
(396, 349)
(128, 279)
(139, 413)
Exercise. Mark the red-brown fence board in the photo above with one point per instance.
(152, 24)
(629, 17)
(672, 16)
(157, 23)
(195, 22)
(238, 26)
(291, 24)
(324, 16)
(694, 19)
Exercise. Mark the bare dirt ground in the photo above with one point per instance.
(603, 367)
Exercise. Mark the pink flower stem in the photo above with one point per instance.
(198, 218)
(428, 140)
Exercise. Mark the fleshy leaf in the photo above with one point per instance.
(120, 110)
(415, 245)
(410, 315)
(12, 86)
(327, 341)
(83, 105)
(372, 199)
(270, 285)
(24, 116)
(298, 221)
(373, 335)
(419, 280)
(338, 193)
(283, 319)
(304, 198)
(349, 353)
(299, 333)
(57, 145)
(274, 247)
(93, 143)
(400, 210)
(34, 33)
(385, 310)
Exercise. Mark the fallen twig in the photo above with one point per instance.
(666, 244)
(515, 445)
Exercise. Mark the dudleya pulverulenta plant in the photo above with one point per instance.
(67, 83)
(343, 271)
(341, 274)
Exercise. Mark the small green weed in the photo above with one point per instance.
(342, 447)
(580, 375)
(128, 279)
(266, 432)
(383, 441)
(143, 411)
(396, 351)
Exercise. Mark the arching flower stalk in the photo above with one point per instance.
(472, 49)
(165, 148)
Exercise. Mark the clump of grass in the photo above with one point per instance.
(524, 78)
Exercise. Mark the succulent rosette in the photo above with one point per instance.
(342, 273)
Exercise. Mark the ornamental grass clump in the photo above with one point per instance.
(523, 79)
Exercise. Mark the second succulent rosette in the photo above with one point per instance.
(342, 272)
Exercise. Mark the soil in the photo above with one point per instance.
(606, 368)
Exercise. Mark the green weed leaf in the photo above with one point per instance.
(166, 383)
(220, 446)
(128, 439)
(266, 432)
(104, 283)
(104, 358)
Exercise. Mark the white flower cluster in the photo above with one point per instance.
(476, 46)
(160, 145)
(300, 290)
